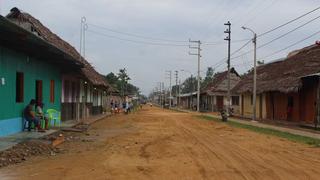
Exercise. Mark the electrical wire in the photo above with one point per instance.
(137, 41)
(279, 37)
(282, 25)
(136, 35)
(220, 62)
(293, 44)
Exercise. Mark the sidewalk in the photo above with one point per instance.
(298, 131)
(11, 140)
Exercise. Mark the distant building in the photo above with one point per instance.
(214, 97)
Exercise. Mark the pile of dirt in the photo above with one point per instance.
(22, 151)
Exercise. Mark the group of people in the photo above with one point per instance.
(126, 107)
(33, 113)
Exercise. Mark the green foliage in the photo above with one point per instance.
(208, 78)
(112, 78)
(268, 131)
(189, 85)
(121, 82)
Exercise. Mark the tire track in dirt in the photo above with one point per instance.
(243, 155)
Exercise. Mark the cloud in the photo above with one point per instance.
(169, 19)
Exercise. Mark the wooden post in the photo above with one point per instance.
(317, 112)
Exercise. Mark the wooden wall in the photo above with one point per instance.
(304, 104)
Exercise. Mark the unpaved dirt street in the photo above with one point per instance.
(161, 144)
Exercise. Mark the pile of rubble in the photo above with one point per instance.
(47, 145)
(22, 151)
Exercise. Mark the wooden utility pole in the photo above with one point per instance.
(228, 38)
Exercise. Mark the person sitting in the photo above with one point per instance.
(29, 115)
(40, 115)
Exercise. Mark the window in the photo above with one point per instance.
(235, 100)
(52, 91)
(19, 87)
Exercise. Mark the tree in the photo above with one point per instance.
(208, 78)
(123, 78)
(121, 82)
(111, 78)
(189, 85)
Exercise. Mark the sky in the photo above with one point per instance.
(150, 37)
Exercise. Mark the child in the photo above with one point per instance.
(40, 114)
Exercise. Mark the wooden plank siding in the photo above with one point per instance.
(304, 104)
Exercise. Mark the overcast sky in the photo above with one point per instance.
(174, 20)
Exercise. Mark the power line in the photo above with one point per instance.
(261, 10)
(159, 39)
(137, 41)
(220, 62)
(280, 26)
(279, 37)
(136, 35)
(221, 42)
(300, 41)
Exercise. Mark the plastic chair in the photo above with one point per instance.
(54, 117)
(43, 123)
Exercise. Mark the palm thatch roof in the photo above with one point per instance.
(24, 19)
(219, 82)
(283, 76)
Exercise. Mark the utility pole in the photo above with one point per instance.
(164, 95)
(160, 94)
(177, 88)
(254, 40)
(228, 38)
(83, 28)
(170, 95)
(179, 93)
(199, 56)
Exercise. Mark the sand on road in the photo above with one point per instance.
(162, 144)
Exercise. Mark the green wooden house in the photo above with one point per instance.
(30, 68)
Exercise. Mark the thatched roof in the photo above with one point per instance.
(283, 76)
(43, 32)
(219, 82)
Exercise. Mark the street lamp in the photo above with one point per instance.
(254, 40)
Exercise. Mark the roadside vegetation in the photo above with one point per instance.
(292, 137)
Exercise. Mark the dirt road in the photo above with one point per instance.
(158, 144)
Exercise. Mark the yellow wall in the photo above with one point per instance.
(247, 107)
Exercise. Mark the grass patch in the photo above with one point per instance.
(292, 137)
(177, 110)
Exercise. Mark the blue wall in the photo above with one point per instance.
(33, 69)
(10, 126)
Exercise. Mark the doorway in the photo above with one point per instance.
(39, 95)
(219, 103)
